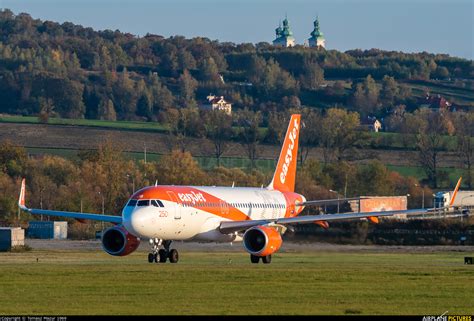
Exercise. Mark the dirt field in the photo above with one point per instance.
(80, 137)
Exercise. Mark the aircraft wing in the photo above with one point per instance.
(76, 215)
(234, 226)
(329, 201)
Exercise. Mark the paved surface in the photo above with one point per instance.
(225, 247)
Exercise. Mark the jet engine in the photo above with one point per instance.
(118, 241)
(262, 240)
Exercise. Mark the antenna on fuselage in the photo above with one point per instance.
(233, 184)
(156, 183)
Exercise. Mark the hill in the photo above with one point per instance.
(76, 72)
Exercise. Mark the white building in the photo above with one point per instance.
(217, 103)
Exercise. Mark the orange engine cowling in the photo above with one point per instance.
(118, 241)
(262, 240)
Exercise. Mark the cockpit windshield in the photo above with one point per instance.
(132, 203)
(156, 203)
(143, 203)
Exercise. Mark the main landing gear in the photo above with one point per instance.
(265, 259)
(161, 255)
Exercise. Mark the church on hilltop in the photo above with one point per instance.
(284, 36)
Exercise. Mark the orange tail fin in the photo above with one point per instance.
(285, 173)
(455, 191)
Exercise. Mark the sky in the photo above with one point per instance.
(435, 26)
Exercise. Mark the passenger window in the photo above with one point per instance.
(132, 203)
(143, 203)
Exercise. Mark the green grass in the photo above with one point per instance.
(125, 125)
(381, 140)
(419, 173)
(92, 282)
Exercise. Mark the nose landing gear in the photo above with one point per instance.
(161, 255)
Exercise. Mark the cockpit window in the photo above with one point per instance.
(157, 203)
(143, 203)
(132, 203)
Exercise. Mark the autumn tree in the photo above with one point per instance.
(313, 75)
(187, 89)
(310, 135)
(464, 123)
(249, 133)
(107, 110)
(218, 130)
(430, 140)
(339, 133)
(365, 96)
(180, 168)
(276, 129)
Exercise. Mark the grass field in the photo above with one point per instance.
(124, 125)
(92, 282)
(381, 140)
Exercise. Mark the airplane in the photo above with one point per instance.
(257, 217)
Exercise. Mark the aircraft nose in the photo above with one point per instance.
(137, 222)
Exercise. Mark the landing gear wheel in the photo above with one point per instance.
(151, 257)
(162, 256)
(173, 256)
(254, 258)
(267, 259)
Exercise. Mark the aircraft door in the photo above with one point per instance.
(177, 206)
(224, 207)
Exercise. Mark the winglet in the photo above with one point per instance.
(21, 199)
(455, 191)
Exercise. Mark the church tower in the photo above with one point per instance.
(284, 36)
(317, 37)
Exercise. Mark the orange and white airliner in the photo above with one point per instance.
(256, 216)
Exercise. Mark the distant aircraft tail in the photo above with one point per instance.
(285, 173)
(455, 192)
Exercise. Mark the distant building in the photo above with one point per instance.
(380, 204)
(47, 230)
(217, 103)
(371, 124)
(436, 102)
(284, 36)
(317, 37)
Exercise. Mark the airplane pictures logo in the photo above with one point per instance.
(289, 152)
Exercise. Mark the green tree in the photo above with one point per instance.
(313, 76)
(365, 97)
(389, 92)
(187, 89)
(144, 107)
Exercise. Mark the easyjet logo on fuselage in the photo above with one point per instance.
(289, 152)
(192, 197)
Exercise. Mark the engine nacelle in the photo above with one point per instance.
(118, 241)
(262, 240)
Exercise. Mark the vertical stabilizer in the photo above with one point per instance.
(285, 173)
